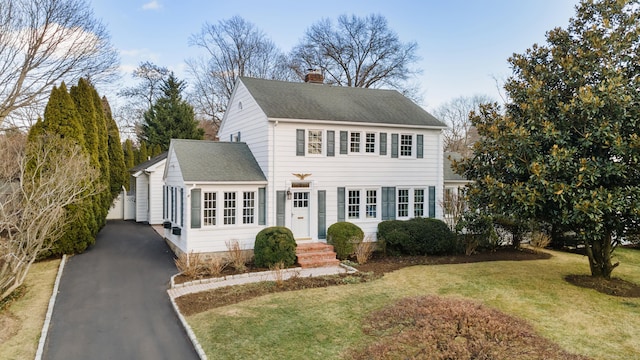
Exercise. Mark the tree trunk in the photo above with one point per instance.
(599, 253)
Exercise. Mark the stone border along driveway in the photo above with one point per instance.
(191, 287)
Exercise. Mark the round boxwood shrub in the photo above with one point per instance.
(343, 236)
(273, 245)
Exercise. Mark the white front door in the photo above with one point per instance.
(300, 215)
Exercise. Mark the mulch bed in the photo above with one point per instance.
(613, 286)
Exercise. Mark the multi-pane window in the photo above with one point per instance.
(248, 207)
(403, 203)
(229, 208)
(370, 143)
(314, 142)
(354, 144)
(353, 207)
(209, 208)
(406, 145)
(418, 202)
(372, 204)
(300, 199)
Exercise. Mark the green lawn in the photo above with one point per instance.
(322, 323)
(27, 314)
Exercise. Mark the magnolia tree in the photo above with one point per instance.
(566, 150)
(49, 174)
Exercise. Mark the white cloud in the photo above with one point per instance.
(152, 5)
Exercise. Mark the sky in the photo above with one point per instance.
(463, 45)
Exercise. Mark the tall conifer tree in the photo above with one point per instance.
(117, 169)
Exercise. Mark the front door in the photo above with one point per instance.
(300, 215)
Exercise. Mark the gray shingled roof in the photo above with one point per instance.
(154, 160)
(449, 174)
(202, 160)
(307, 101)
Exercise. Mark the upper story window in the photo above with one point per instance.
(314, 142)
(354, 142)
(406, 145)
(370, 143)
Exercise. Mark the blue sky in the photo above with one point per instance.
(463, 45)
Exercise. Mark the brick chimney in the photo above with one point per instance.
(314, 77)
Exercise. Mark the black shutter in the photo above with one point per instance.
(394, 145)
(195, 208)
(331, 143)
(383, 143)
(343, 142)
(181, 207)
(341, 201)
(420, 146)
(300, 142)
(322, 214)
(262, 208)
(432, 201)
(281, 198)
(388, 203)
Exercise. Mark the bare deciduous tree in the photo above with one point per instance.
(235, 47)
(44, 42)
(460, 135)
(141, 97)
(49, 174)
(358, 52)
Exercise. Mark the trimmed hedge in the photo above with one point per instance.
(419, 236)
(344, 236)
(273, 245)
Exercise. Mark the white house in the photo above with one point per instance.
(314, 155)
(146, 184)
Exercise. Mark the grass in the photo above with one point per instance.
(27, 313)
(323, 323)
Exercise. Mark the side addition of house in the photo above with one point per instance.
(313, 155)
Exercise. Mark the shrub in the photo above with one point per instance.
(189, 264)
(419, 236)
(237, 256)
(364, 250)
(274, 245)
(540, 239)
(216, 265)
(343, 236)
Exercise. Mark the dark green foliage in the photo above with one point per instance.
(273, 245)
(129, 157)
(117, 170)
(143, 154)
(61, 116)
(565, 150)
(156, 150)
(170, 117)
(419, 236)
(344, 236)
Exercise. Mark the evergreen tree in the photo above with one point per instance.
(129, 155)
(143, 153)
(83, 100)
(157, 150)
(170, 117)
(62, 118)
(103, 157)
(117, 168)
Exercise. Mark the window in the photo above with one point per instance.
(406, 145)
(370, 143)
(300, 199)
(403, 203)
(372, 204)
(248, 207)
(209, 208)
(418, 202)
(353, 206)
(354, 144)
(229, 208)
(314, 143)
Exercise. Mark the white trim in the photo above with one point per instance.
(355, 123)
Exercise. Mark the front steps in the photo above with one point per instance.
(312, 255)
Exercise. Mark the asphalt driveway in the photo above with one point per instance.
(112, 301)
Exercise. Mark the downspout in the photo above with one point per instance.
(273, 173)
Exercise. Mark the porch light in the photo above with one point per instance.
(288, 194)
